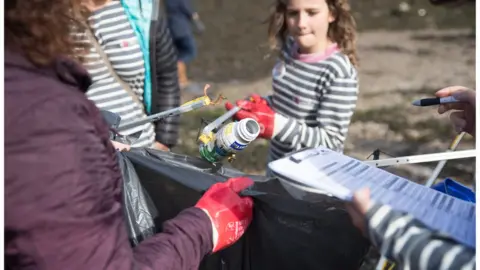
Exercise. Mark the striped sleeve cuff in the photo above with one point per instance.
(385, 226)
(377, 218)
(285, 129)
(402, 238)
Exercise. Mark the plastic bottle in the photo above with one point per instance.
(231, 138)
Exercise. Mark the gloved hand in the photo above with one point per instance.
(257, 108)
(229, 213)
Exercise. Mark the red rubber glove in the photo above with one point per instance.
(229, 213)
(258, 109)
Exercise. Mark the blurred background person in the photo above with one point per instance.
(182, 17)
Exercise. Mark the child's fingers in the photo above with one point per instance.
(256, 98)
(242, 114)
(228, 106)
(244, 104)
(361, 200)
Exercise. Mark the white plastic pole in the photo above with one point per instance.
(155, 117)
(441, 164)
(422, 158)
(217, 122)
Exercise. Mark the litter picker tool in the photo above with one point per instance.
(186, 107)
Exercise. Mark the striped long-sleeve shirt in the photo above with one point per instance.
(114, 33)
(403, 239)
(316, 95)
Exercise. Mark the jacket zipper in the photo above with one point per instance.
(153, 56)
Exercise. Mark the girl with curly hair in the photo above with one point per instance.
(315, 83)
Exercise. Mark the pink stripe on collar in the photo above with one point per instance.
(314, 57)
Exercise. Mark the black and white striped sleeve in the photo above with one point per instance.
(168, 89)
(405, 240)
(333, 117)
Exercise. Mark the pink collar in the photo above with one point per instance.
(314, 57)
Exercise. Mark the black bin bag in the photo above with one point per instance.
(139, 209)
(286, 233)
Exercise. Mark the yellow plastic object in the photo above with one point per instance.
(206, 138)
(388, 265)
(231, 158)
(206, 99)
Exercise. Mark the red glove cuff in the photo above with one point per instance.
(230, 214)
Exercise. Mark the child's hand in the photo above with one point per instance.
(358, 209)
(258, 109)
(120, 146)
(160, 146)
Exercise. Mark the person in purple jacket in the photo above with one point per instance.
(63, 187)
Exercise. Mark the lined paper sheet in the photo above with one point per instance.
(340, 175)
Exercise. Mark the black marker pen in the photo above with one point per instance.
(434, 101)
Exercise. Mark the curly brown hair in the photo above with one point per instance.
(342, 30)
(42, 29)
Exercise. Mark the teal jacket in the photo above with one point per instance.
(161, 88)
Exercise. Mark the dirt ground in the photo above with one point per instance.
(403, 56)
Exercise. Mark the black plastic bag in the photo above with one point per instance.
(139, 209)
(286, 233)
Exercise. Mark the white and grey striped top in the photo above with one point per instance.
(114, 33)
(402, 238)
(317, 95)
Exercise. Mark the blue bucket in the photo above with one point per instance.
(455, 189)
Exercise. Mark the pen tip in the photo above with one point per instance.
(416, 103)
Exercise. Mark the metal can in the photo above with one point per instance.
(230, 139)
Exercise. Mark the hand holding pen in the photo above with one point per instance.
(459, 99)
(463, 116)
